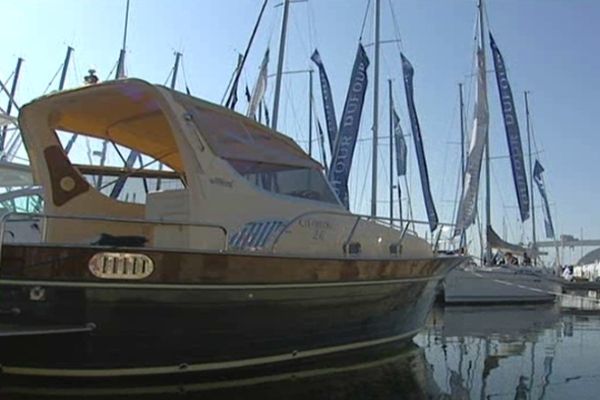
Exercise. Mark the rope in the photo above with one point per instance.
(185, 79)
(362, 29)
(53, 78)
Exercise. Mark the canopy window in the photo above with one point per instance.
(124, 112)
(119, 139)
(238, 139)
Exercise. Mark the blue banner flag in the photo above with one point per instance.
(401, 152)
(330, 119)
(539, 180)
(400, 143)
(408, 73)
(339, 171)
(322, 143)
(513, 136)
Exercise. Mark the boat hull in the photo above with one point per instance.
(498, 286)
(93, 328)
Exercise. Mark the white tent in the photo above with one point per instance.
(6, 120)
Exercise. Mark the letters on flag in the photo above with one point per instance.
(513, 136)
(345, 143)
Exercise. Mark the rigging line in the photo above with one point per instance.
(111, 71)
(53, 78)
(364, 186)
(441, 182)
(312, 30)
(299, 33)
(169, 76)
(354, 177)
(457, 195)
(185, 79)
(396, 26)
(75, 68)
(362, 29)
(10, 76)
(290, 105)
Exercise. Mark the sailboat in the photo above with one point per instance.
(251, 261)
(495, 282)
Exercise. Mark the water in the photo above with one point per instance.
(502, 352)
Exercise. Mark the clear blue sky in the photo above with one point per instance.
(550, 47)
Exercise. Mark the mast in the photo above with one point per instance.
(463, 236)
(533, 233)
(391, 143)
(310, 112)
(375, 112)
(121, 63)
(63, 74)
(286, 8)
(233, 84)
(488, 199)
(11, 96)
(175, 69)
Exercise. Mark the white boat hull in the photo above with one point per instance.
(498, 285)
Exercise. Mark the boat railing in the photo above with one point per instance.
(403, 224)
(21, 216)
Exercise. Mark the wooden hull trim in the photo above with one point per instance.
(206, 367)
(163, 286)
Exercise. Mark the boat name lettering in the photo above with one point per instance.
(221, 182)
(121, 265)
(314, 224)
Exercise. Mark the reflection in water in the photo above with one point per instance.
(514, 352)
(388, 373)
(504, 352)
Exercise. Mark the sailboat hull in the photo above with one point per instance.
(498, 285)
(81, 327)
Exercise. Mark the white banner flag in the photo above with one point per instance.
(468, 202)
(259, 88)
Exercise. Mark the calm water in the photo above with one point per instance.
(517, 352)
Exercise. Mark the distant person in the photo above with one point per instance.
(91, 78)
(567, 273)
(526, 259)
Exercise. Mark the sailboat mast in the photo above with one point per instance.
(121, 64)
(175, 70)
(375, 112)
(488, 199)
(533, 233)
(391, 143)
(65, 68)
(463, 236)
(286, 8)
(310, 112)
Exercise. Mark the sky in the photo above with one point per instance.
(549, 46)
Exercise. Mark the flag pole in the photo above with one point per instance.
(533, 238)
(286, 8)
(391, 144)
(375, 112)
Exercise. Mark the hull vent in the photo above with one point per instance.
(121, 265)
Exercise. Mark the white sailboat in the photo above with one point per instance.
(493, 282)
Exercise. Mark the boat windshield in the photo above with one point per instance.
(297, 182)
(268, 159)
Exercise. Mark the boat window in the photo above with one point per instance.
(305, 183)
(115, 170)
(21, 201)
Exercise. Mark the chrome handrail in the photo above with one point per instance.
(359, 217)
(6, 217)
